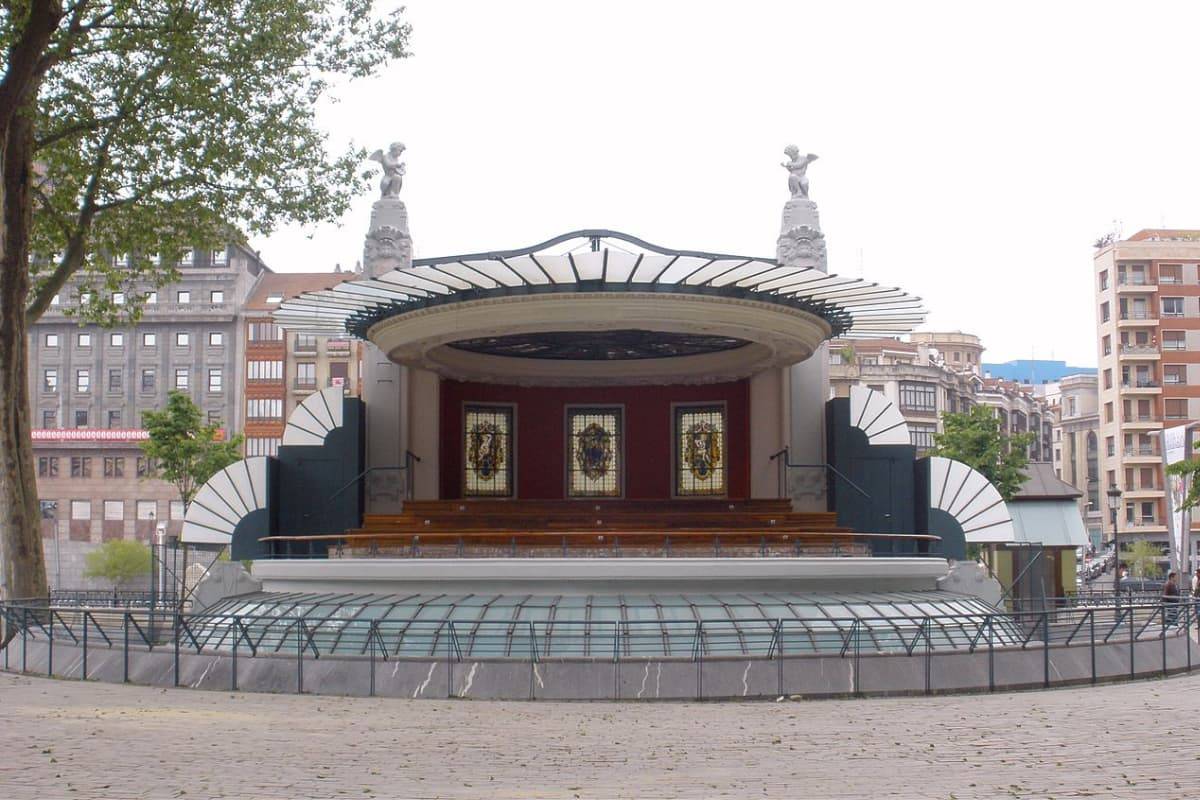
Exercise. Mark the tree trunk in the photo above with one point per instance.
(24, 564)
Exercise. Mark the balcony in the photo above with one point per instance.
(1170, 280)
(337, 347)
(1135, 283)
(1139, 352)
(1146, 454)
(304, 345)
(1132, 279)
(1142, 492)
(1133, 319)
(304, 385)
(1141, 386)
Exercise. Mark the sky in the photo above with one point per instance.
(970, 153)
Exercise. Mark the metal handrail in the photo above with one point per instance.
(409, 458)
(787, 464)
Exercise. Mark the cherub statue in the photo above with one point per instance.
(393, 169)
(796, 167)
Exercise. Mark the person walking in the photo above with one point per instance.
(1196, 584)
(1170, 599)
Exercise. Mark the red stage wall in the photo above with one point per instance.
(540, 446)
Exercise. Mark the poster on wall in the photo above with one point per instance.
(1176, 444)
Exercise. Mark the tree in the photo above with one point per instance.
(1186, 471)
(186, 452)
(1143, 558)
(144, 128)
(118, 560)
(975, 439)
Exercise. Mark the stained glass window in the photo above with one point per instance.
(488, 461)
(700, 451)
(594, 459)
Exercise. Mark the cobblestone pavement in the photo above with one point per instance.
(64, 739)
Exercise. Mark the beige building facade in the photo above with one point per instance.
(1073, 407)
(1147, 290)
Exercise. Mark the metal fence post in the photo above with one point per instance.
(928, 625)
(1163, 637)
(991, 654)
(83, 664)
(50, 658)
(237, 635)
(700, 660)
(176, 638)
(299, 657)
(24, 639)
(532, 660)
(1045, 650)
(855, 630)
(779, 653)
(1092, 640)
(371, 638)
(1187, 633)
(4, 635)
(125, 649)
(1131, 636)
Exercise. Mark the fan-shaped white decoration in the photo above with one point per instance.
(971, 499)
(225, 500)
(876, 416)
(314, 418)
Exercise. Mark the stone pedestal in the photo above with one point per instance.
(801, 244)
(388, 246)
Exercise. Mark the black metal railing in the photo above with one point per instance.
(1120, 626)
(783, 459)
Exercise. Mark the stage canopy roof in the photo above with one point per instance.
(650, 302)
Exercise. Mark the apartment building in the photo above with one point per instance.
(90, 386)
(283, 368)
(1020, 410)
(914, 376)
(1073, 407)
(1148, 336)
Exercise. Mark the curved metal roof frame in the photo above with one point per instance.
(849, 305)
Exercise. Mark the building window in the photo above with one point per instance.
(81, 418)
(220, 258)
(274, 299)
(305, 343)
(176, 509)
(921, 435)
(835, 358)
(595, 458)
(151, 298)
(149, 340)
(114, 419)
(265, 332)
(264, 371)
(1175, 374)
(183, 297)
(83, 381)
(1104, 313)
(48, 467)
(306, 375)
(918, 397)
(1107, 345)
(182, 339)
(114, 467)
(869, 361)
(1176, 408)
(148, 380)
(118, 298)
(1103, 280)
(146, 509)
(1174, 340)
(216, 296)
(83, 339)
(699, 434)
(181, 378)
(261, 446)
(1108, 412)
(1172, 306)
(114, 380)
(54, 301)
(1107, 379)
(85, 298)
(264, 408)
(487, 449)
(214, 418)
(50, 381)
(49, 418)
(81, 467)
(214, 380)
(51, 340)
(216, 339)
(1110, 446)
(145, 467)
(81, 509)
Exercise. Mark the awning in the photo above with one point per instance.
(1050, 523)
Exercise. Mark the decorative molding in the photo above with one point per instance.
(876, 416)
(314, 418)
(225, 500)
(969, 497)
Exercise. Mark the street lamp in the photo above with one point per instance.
(1114, 503)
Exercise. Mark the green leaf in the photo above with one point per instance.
(974, 438)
